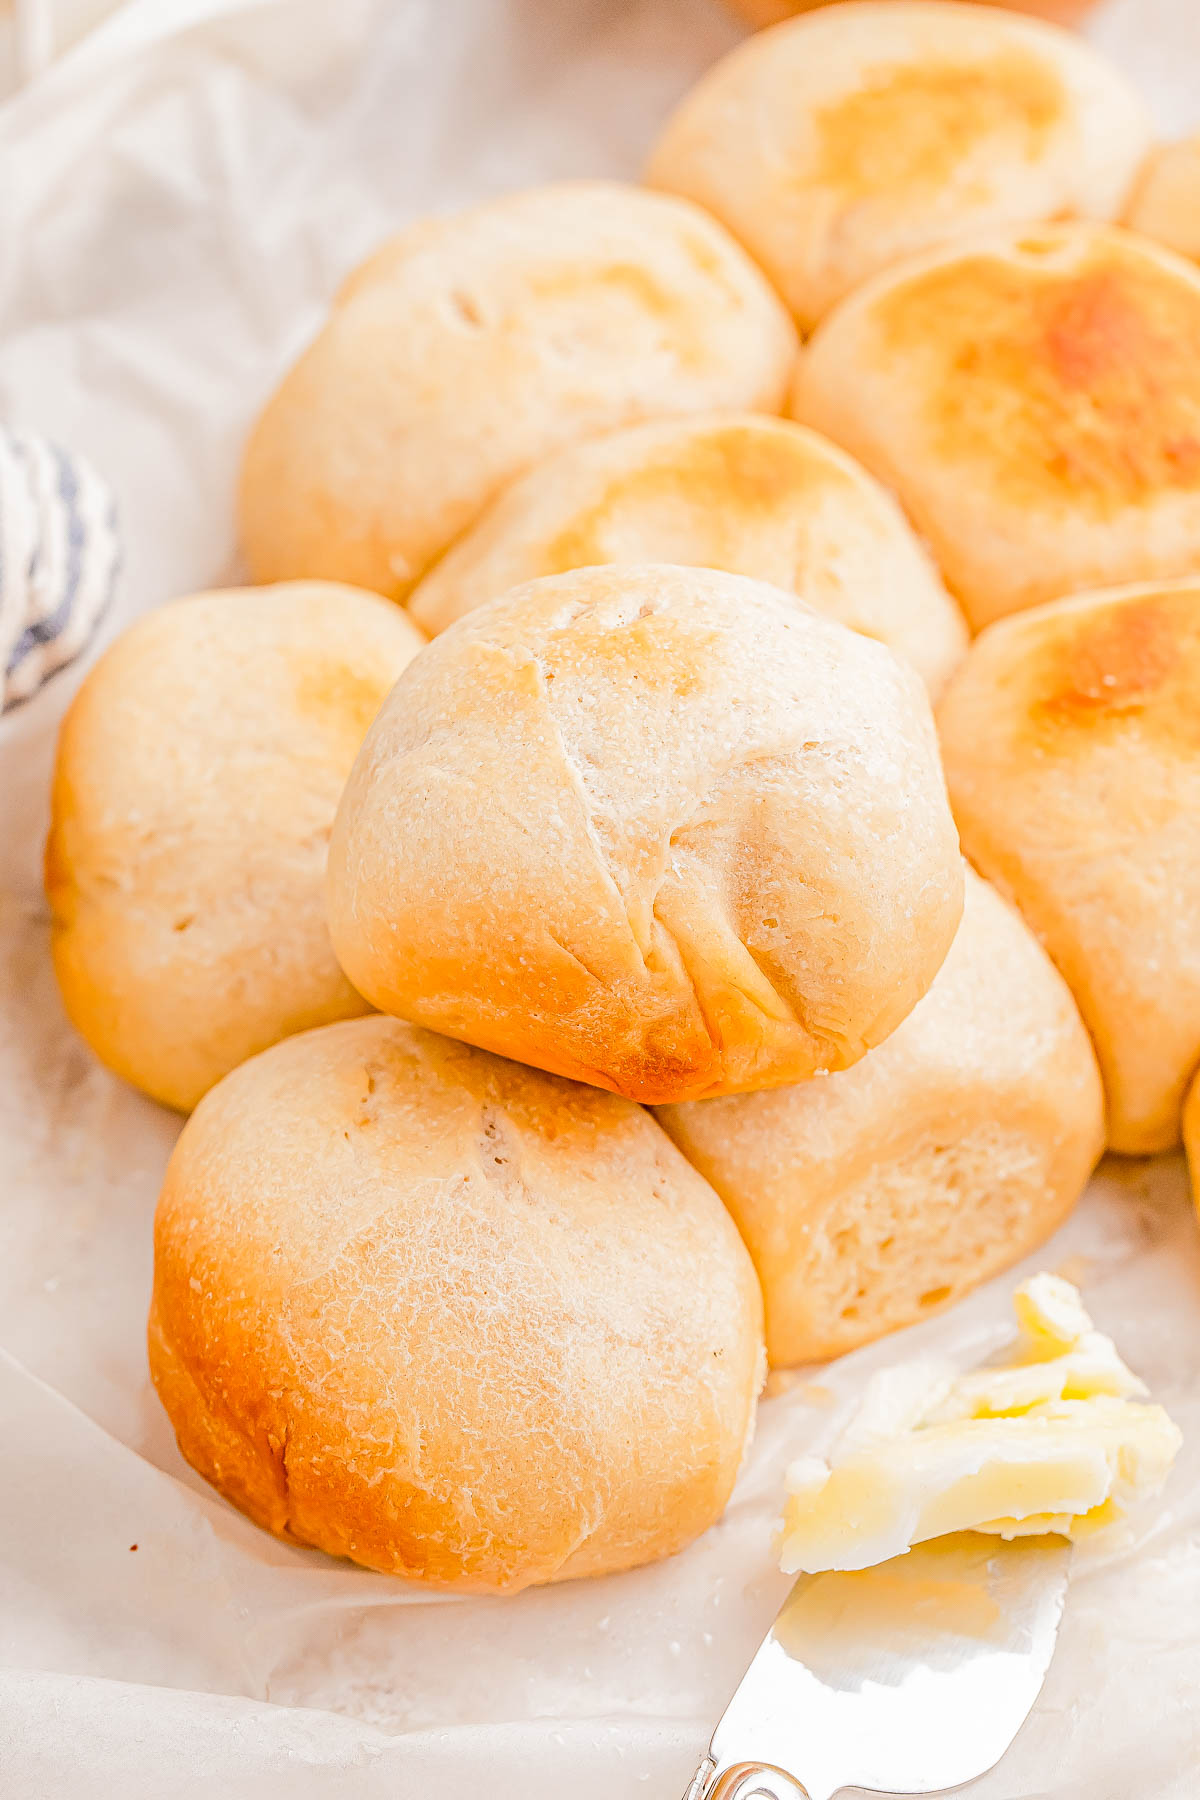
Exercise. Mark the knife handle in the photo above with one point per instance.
(745, 1781)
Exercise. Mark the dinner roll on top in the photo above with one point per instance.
(839, 142)
(1034, 400)
(198, 771)
(1072, 746)
(662, 829)
(952, 1150)
(456, 1319)
(736, 491)
(1166, 201)
(470, 347)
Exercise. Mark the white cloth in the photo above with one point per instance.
(178, 199)
(59, 555)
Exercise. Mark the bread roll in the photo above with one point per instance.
(197, 776)
(469, 348)
(452, 1318)
(1166, 201)
(661, 829)
(952, 1150)
(1073, 757)
(840, 142)
(1035, 402)
(734, 491)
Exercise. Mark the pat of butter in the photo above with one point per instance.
(1057, 1438)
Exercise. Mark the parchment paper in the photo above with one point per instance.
(178, 198)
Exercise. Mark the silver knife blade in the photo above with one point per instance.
(909, 1678)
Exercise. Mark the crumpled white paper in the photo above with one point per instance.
(177, 201)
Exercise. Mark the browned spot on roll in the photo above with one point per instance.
(1077, 386)
(602, 301)
(1125, 662)
(915, 123)
(651, 650)
(337, 698)
(618, 278)
(734, 473)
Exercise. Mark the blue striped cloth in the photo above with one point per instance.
(59, 558)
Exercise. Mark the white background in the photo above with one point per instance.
(178, 198)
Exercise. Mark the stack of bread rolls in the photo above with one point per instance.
(544, 884)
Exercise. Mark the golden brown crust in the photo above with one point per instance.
(908, 127)
(1079, 388)
(841, 142)
(198, 771)
(1132, 664)
(469, 348)
(738, 491)
(713, 852)
(1072, 752)
(450, 1317)
(949, 1152)
(1034, 401)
